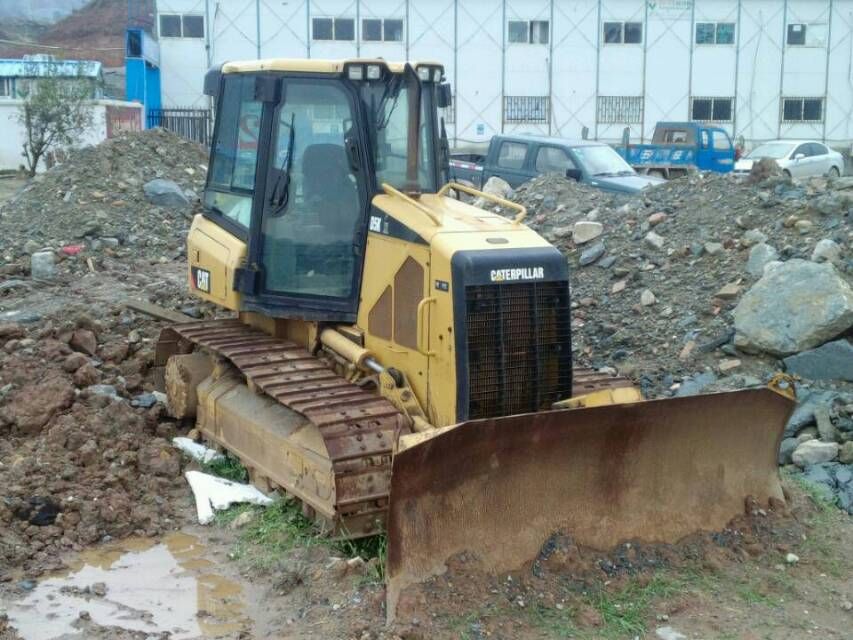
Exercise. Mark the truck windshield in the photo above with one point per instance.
(389, 106)
(602, 161)
(771, 150)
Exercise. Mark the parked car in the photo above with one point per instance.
(797, 158)
(517, 159)
(677, 146)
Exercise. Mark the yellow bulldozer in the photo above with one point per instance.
(400, 360)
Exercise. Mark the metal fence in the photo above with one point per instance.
(193, 124)
(527, 109)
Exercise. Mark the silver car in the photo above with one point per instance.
(797, 158)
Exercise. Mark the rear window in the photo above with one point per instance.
(511, 155)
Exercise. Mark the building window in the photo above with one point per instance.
(715, 32)
(802, 109)
(333, 28)
(620, 109)
(623, 33)
(526, 109)
(6, 88)
(806, 35)
(712, 109)
(377, 30)
(181, 26)
(528, 32)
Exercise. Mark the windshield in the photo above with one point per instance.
(389, 106)
(771, 150)
(602, 161)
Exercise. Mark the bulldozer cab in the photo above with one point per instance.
(299, 151)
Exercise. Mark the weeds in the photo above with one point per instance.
(226, 467)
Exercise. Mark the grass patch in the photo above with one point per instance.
(368, 549)
(227, 467)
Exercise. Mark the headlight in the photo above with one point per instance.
(424, 74)
(374, 72)
(356, 72)
(436, 74)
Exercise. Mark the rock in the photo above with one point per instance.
(647, 298)
(654, 240)
(165, 193)
(43, 265)
(31, 247)
(73, 362)
(656, 218)
(792, 558)
(786, 449)
(796, 305)
(88, 453)
(814, 452)
(36, 403)
(827, 251)
(87, 375)
(693, 386)
(808, 402)
(713, 248)
(668, 633)
(762, 170)
(584, 231)
(104, 390)
(84, 341)
(845, 453)
(591, 254)
(831, 361)
(803, 226)
(729, 364)
(753, 236)
(618, 286)
(160, 460)
(242, 520)
(728, 291)
(11, 330)
(760, 256)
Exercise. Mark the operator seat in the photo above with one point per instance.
(329, 189)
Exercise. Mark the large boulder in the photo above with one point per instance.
(494, 187)
(814, 452)
(796, 305)
(165, 193)
(832, 361)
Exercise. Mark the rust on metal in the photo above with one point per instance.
(358, 427)
(649, 471)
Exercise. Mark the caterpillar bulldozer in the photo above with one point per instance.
(400, 360)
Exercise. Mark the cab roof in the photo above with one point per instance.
(312, 65)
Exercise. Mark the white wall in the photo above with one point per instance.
(470, 38)
(14, 133)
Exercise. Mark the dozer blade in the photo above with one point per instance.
(648, 471)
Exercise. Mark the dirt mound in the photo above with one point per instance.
(96, 199)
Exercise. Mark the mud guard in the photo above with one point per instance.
(650, 471)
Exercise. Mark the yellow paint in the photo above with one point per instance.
(212, 248)
(302, 65)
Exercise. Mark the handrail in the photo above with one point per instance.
(522, 210)
(391, 191)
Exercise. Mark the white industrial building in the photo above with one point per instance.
(760, 68)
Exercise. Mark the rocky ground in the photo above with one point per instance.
(86, 462)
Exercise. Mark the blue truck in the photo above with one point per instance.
(677, 146)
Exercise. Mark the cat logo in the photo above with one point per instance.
(523, 273)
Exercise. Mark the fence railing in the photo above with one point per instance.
(193, 124)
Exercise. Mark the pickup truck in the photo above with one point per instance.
(517, 159)
(677, 146)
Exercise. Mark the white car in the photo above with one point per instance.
(797, 158)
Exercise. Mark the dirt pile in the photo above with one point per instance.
(94, 203)
(84, 442)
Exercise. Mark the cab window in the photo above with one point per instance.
(511, 155)
(231, 181)
(553, 160)
(721, 141)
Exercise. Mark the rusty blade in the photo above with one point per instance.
(650, 471)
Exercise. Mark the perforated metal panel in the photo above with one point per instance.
(519, 347)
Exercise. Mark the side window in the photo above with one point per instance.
(803, 149)
(721, 141)
(231, 181)
(705, 137)
(511, 155)
(553, 160)
(817, 149)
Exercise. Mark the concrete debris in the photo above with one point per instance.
(165, 193)
(814, 452)
(584, 231)
(42, 265)
(827, 250)
(215, 494)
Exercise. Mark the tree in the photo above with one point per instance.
(56, 109)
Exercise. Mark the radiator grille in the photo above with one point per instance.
(519, 347)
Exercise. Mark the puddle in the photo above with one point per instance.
(151, 587)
